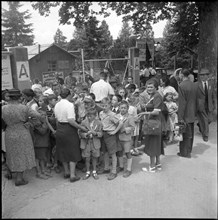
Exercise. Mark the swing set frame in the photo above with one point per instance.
(108, 63)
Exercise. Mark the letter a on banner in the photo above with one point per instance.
(23, 71)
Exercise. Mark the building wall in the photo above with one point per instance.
(39, 64)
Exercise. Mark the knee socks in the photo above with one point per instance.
(114, 163)
(120, 159)
(129, 164)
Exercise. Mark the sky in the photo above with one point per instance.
(44, 28)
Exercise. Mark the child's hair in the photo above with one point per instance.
(119, 97)
(124, 102)
(92, 111)
(49, 98)
(122, 88)
(106, 100)
(165, 96)
(131, 99)
(92, 95)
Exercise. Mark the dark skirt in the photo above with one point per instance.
(41, 153)
(67, 143)
(153, 145)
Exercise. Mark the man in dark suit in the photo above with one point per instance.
(187, 112)
(206, 102)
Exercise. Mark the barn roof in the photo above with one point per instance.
(34, 51)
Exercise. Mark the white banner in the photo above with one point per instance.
(7, 82)
(23, 71)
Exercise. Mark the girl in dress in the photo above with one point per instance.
(172, 114)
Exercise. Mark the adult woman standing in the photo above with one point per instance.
(153, 143)
(20, 154)
(166, 88)
(67, 139)
(30, 99)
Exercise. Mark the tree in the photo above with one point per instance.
(141, 13)
(105, 40)
(125, 40)
(60, 39)
(15, 30)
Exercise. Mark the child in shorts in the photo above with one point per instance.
(111, 125)
(90, 142)
(41, 145)
(115, 102)
(125, 135)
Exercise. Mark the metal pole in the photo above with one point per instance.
(83, 65)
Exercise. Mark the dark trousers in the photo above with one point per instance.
(185, 146)
(204, 119)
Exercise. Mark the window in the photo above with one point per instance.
(52, 65)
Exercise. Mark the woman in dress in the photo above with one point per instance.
(153, 143)
(166, 88)
(67, 139)
(20, 154)
(30, 99)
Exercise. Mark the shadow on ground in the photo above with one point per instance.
(199, 149)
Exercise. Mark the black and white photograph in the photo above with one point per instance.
(109, 109)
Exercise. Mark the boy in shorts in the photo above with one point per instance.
(125, 134)
(111, 125)
(90, 141)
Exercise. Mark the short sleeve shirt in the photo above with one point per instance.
(109, 120)
(64, 110)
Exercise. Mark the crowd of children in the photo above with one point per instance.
(114, 128)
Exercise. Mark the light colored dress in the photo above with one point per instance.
(133, 112)
(172, 117)
(18, 142)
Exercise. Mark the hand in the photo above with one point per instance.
(128, 130)
(111, 132)
(84, 129)
(93, 132)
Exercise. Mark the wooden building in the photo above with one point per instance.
(51, 59)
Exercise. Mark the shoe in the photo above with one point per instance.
(150, 169)
(66, 176)
(104, 171)
(158, 166)
(127, 173)
(57, 169)
(180, 155)
(74, 179)
(21, 183)
(95, 175)
(112, 176)
(205, 138)
(8, 176)
(120, 169)
(41, 176)
(189, 156)
(87, 175)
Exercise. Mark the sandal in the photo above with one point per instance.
(87, 175)
(21, 182)
(95, 175)
(158, 166)
(150, 169)
(47, 174)
(41, 176)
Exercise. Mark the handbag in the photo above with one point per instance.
(152, 127)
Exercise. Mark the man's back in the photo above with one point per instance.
(101, 89)
(187, 101)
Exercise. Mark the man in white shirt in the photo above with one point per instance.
(101, 88)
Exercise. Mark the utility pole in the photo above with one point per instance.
(82, 54)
